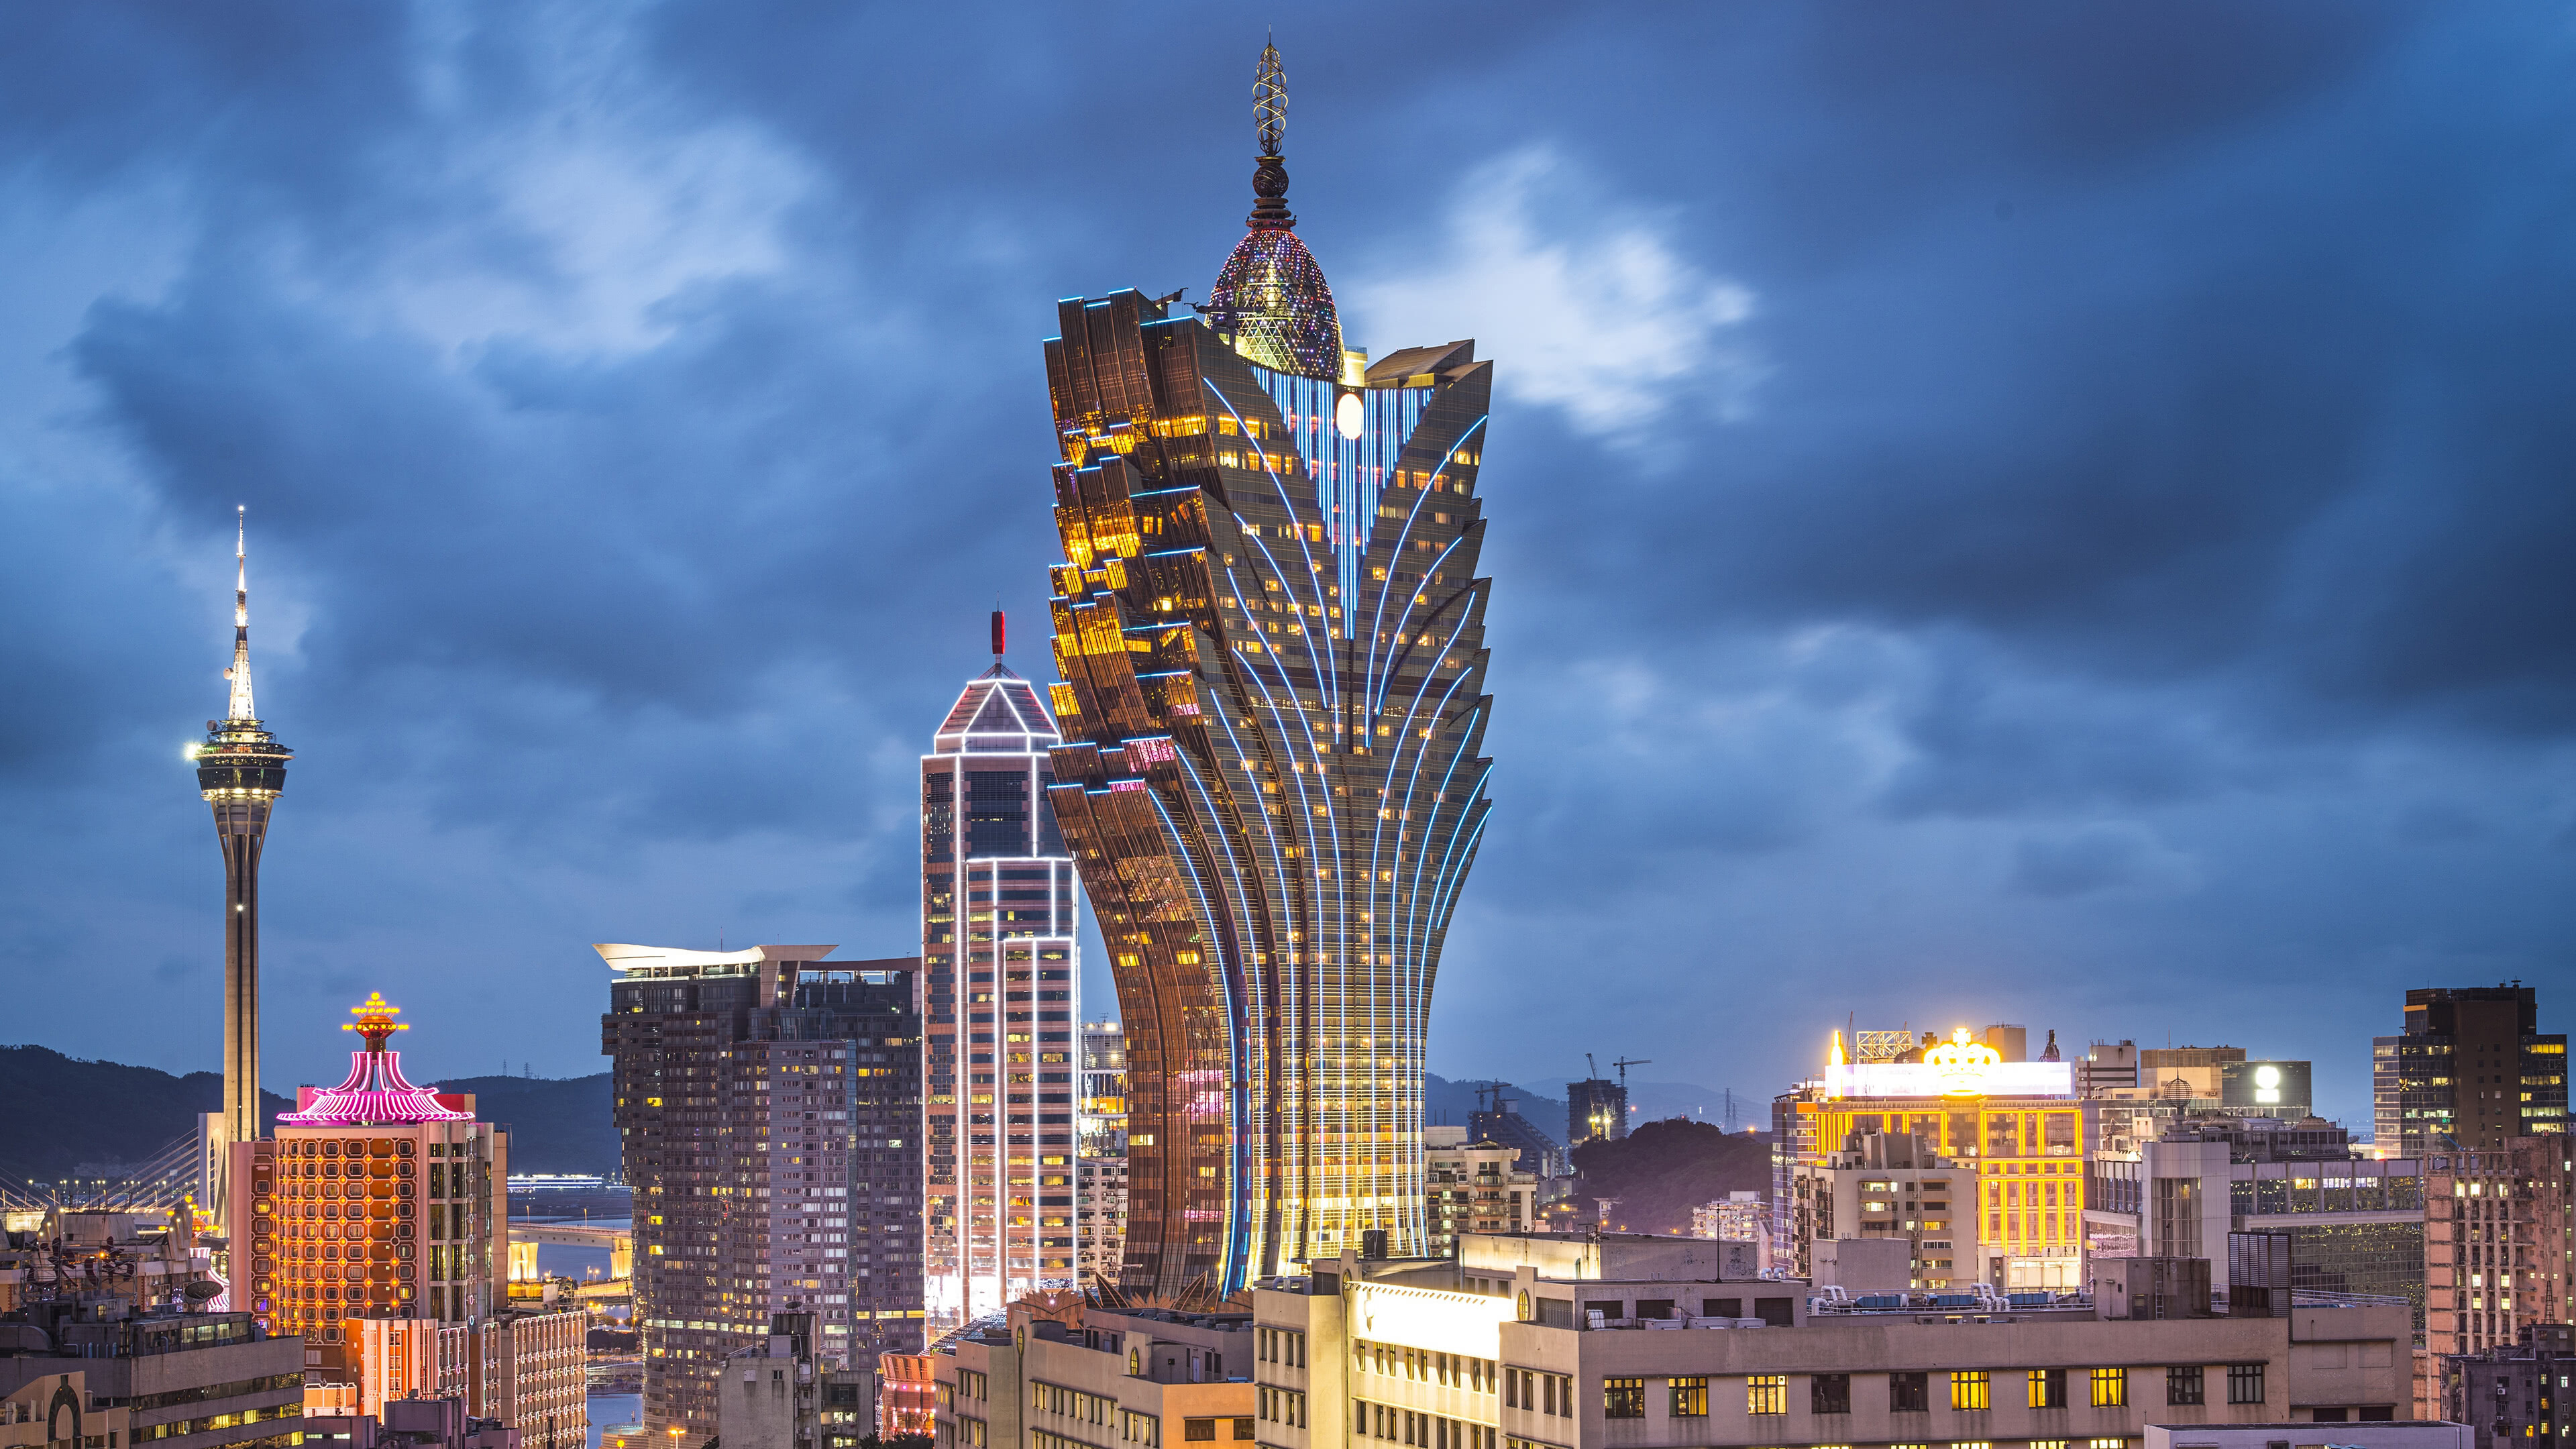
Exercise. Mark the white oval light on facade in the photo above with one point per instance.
(1350, 416)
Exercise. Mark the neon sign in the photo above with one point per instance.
(1958, 1067)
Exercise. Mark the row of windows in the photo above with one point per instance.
(1423, 1431)
(1450, 1370)
(1971, 1391)
(1280, 1406)
(1285, 1346)
(1049, 1398)
(1538, 1393)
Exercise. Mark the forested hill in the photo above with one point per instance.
(1662, 1170)
(64, 1112)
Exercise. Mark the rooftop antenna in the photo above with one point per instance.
(997, 631)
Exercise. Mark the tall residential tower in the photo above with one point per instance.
(241, 770)
(1270, 632)
(768, 1106)
(1000, 912)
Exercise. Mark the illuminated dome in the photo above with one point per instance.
(1270, 296)
(1273, 298)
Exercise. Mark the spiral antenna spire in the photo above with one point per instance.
(1270, 127)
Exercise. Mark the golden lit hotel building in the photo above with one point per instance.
(1269, 632)
(1978, 1162)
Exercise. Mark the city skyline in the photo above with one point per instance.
(2135, 651)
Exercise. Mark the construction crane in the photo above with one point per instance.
(1624, 1063)
(1591, 1068)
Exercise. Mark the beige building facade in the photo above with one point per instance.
(1537, 1344)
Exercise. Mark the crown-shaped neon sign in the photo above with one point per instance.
(375, 1020)
(1961, 1064)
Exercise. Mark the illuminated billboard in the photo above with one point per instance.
(1955, 1068)
(2281, 1085)
(1923, 1079)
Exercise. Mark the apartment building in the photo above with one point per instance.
(1472, 1186)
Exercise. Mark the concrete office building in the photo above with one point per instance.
(2515, 1395)
(2497, 1243)
(770, 1118)
(57, 1409)
(1897, 1190)
(423, 1422)
(1092, 1378)
(2355, 1227)
(535, 1375)
(777, 1394)
(2140, 1093)
(2471, 1070)
(1629, 1341)
(169, 1379)
(1001, 980)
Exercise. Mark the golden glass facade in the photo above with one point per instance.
(2011, 1171)
(1270, 634)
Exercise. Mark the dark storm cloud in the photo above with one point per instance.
(1997, 511)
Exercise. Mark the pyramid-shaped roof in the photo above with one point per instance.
(998, 713)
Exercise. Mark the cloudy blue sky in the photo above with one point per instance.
(2042, 513)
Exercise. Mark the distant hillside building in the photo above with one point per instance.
(1595, 1108)
(1539, 1154)
(1739, 1217)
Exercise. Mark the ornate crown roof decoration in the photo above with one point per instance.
(1961, 1064)
(1270, 295)
(375, 1093)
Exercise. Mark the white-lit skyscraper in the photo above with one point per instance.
(1000, 973)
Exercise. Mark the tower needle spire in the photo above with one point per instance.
(239, 674)
(241, 771)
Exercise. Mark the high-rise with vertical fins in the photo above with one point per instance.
(241, 770)
(1269, 628)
